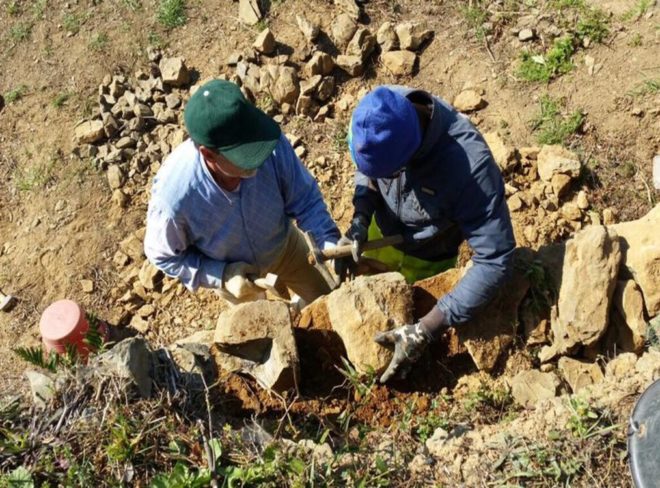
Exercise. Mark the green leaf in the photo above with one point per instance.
(20, 477)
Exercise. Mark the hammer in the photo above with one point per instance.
(6, 302)
(318, 257)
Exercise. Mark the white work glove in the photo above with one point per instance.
(237, 282)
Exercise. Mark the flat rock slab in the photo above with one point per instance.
(579, 374)
(129, 359)
(365, 306)
(532, 386)
(256, 338)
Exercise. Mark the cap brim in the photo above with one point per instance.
(260, 140)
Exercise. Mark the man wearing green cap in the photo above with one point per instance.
(222, 204)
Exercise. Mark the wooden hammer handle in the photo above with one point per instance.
(345, 250)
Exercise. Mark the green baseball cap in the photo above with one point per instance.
(219, 117)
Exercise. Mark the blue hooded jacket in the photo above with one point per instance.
(451, 190)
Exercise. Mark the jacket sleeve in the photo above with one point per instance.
(167, 246)
(366, 196)
(483, 216)
(302, 197)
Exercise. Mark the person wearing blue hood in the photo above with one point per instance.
(426, 173)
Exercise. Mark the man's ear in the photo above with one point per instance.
(206, 152)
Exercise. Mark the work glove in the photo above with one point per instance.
(420, 236)
(237, 280)
(356, 235)
(410, 342)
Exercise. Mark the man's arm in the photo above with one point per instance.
(302, 197)
(483, 216)
(166, 246)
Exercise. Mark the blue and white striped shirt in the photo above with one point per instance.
(194, 227)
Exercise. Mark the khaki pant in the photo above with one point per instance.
(294, 271)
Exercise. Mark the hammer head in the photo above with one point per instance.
(6, 302)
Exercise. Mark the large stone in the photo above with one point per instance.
(362, 44)
(256, 338)
(505, 156)
(589, 271)
(351, 8)
(367, 305)
(621, 366)
(116, 177)
(579, 374)
(387, 38)
(641, 249)
(265, 42)
(532, 386)
(174, 71)
(42, 387)
(150, 276)
(427, 292)
(89, 132)
(627, 317)
(132, 247)
(343, 29)
(555, 159)
(193, 353)
(469, 101)
(249, 11)
(351, 64)
(286, 89)
(399, 62)
(129, 359)
(320, 64)
(309, 29)
(412, 35)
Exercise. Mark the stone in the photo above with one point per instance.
(351, 64)
(42, 387)
(116, 177)
(132, 247)
(532, 386)
(571, 212)
(628, 318)
(489, 335)
(579, 374)
(560, 183)
(286, 89)
(656, 171)
(555, 159)
(139, 324)
(412, 35)
(609, 216)
(427, 292)
(505, 156)
(309, 29)
(469, 101)
(526, 35)
(249, 11)
(308, 86)
(582, 200)
(621, 366)
(256, 338)
(343, 29)
(589, 271)
(351, 8)
(87, 286)
(320, 64)
(387, 38)
(326, 88)
(265, 42)
(129, 359)
(649, 364)
(306, 106)
(515, 203)
(174, 72)
(399, 62)
(89, 132)
(150, 276)
(192, 354)
(367, 305)
(641, 248)
(362, 43)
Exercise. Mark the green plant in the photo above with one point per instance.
(340, 137)
(37, 357)
(155, 40)
(551, 126)
(124, 439)
(18, 478)
(61, 99)
(172, 13)
(476, 15)
(555, 62)
(13, 8)
(182, 476)
(16, 94)
(646, 87)
(585, 421)
(133, 5)
(38, 8)
(99, 42)
(72, 22)
(593, 25)
(635, 40)
(542, 291)
(640, 8)
(559, 4)
(35, 176)
(20, 32)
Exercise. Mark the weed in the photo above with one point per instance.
(646, 87)
(155, 40)
(585, 421)
(635, 40)
(172, 13)
(132, 5)
(476, 15)
(72, 22)
(61, 99)
(99, 42)
(556, 62)
(182, 476)
(124, 439)
(39, 8)
(20, 477)
(593, 25)
(261, 25)
(640, 8)
(560, 4)
(16, 94)
(542, 291)
(36, 176)
(13, 8)
(552, 127)
(266, 103)
(340, 138)
(20, 32)
(497, 398)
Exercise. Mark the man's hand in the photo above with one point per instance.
(236, 280)
(409, 342)
(356, 235)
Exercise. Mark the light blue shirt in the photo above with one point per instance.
(194, 227)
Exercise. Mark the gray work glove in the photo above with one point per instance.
(356, 235)
(410, 342)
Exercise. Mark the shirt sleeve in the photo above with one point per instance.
(366, 196)
(484, 219)
(167, 246)
(302, 197)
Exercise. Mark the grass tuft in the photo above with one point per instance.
(99, 42)
(172, 13)
(20, 32)
(552, 126)
(16, 94)
(556, 62)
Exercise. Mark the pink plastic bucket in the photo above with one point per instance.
(64, 322)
